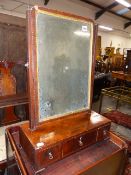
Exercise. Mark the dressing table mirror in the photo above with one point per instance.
(60, 64)
(61, 67)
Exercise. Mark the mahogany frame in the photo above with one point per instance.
(32, 56)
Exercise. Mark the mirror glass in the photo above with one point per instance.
(64, 57)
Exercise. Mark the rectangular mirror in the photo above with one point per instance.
(63, 54)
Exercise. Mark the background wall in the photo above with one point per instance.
(117, 41)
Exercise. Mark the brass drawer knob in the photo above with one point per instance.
(50, 156)
(80, 142)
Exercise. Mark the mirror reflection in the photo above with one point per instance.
(64, 52)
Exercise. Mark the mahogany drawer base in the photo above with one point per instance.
(107, 157)
(53, 141)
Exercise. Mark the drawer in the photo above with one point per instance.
(103, 132)
(68, 147)
(48, 156)
(79, 142)
(86, 139)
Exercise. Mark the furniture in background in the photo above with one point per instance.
(98, 47)
(122, 79)
(119, 107)
(127, 60)
(104, 67)
(121, 75)
(8, 103)
(13, 78)
(101, 81)
(13, 103)
(12, 89)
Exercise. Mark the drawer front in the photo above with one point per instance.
(68, 147)
(79, 142)
(46, 157)
(103, 132)
(86, 139)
